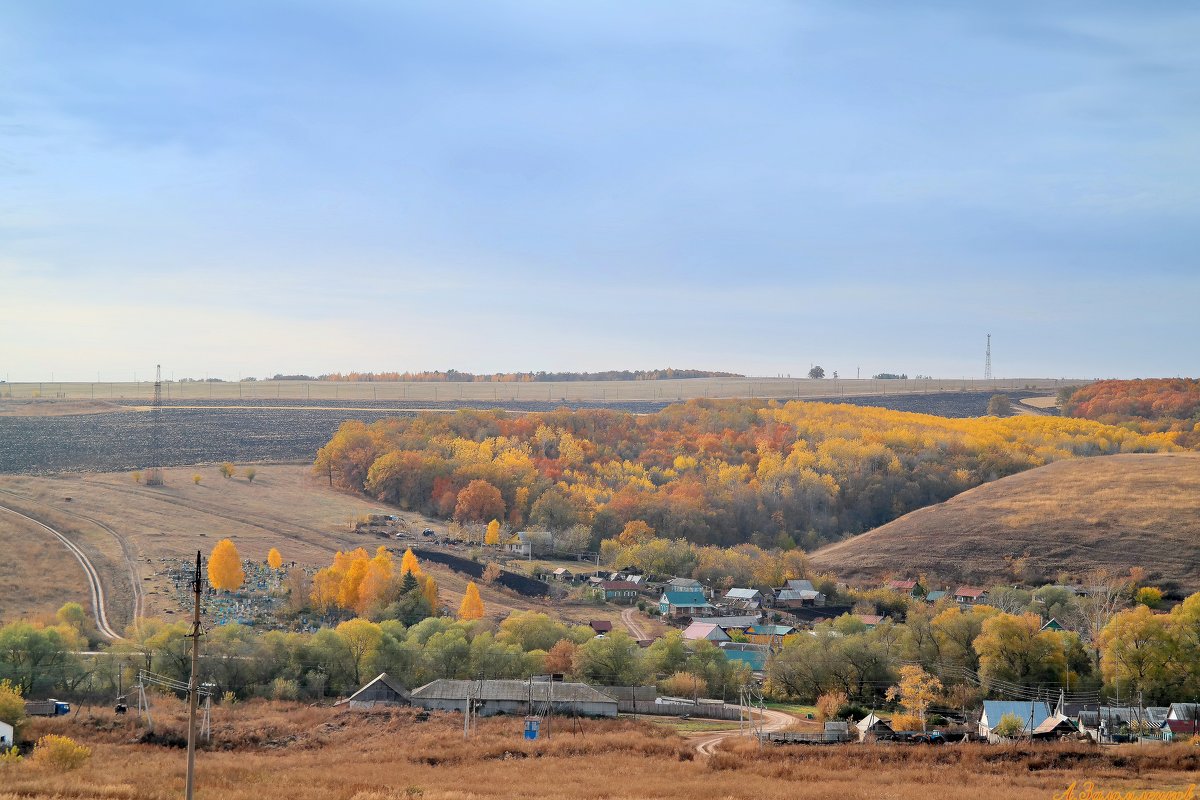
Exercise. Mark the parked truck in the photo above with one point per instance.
(46, 708)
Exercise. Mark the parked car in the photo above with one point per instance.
(428, 532)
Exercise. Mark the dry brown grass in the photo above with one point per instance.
(271, 751)
(285, 507)
(1073, 516)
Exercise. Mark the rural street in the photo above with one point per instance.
(98, 602)
(773, 722)
(629, 617)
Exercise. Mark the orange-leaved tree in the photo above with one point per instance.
(274, 560)
(479, 501)
(472, 604)
(225, 566)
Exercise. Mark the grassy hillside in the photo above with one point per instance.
(284, 507)
(1069, 516)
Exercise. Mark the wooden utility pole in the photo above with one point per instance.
(194, 683)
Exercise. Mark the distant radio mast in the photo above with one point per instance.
(154, 475)
(987, 361)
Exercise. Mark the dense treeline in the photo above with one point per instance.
(1157, 404)
(1120, 648)
(454, 376)
(42, 660)
(709, 472)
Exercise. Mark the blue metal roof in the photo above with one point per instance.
(756, 660)
(994, 710)
(685, 597)
(770, 630)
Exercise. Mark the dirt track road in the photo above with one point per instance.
(629, 618)
(99, 604)
(774, 721)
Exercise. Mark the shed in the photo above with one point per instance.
(798, 598)
(935, 595)
(381, 691)
(7, 736)
(1052, 625)
(872, 725)
(515, 697)
(600, 626)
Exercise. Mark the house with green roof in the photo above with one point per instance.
(683, 603)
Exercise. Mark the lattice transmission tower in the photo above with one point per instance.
(154, 475)
(987, 360)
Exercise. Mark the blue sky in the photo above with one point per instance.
(244, 188)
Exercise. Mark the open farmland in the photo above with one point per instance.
(1116, 512)
(283, 507)
(391, 754)
(72, 435)
(557, 392)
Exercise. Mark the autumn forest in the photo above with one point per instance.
(721, 473)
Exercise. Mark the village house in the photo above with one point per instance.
(563, 574)
(747, 599)
(520, 544)
(683, 603)
(380, 691)
(770, 635)
(970, 595)
(870, 620)
(705, 631)
(1031, 713)
(753, 656)
(7, 737)
(601, 627)
(911, 588)
(737, 623)
(617, 591)
(1182, 719)
(935, 595)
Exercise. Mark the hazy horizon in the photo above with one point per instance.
(240, 189)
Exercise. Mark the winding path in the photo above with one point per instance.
(773, 722)
(99, 604)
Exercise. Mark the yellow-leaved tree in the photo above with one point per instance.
(493, 533)
(409, 563)
(916, 690)
(430, 590)
(472, 604)
(225, 566)
(274, 560)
